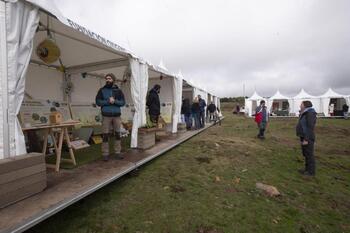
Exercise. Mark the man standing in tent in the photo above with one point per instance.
(261, 118)
(305, 130)
(211, 110)
(110, 98)
(202, 105)
(153, 103)
(345, 111)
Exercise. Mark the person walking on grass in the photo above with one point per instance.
(305, 131)
(261, 118)
(110, 98)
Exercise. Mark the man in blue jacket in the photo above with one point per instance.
(305, 130)
(202, 105)
(110, 98)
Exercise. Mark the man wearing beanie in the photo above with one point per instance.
(110, 98)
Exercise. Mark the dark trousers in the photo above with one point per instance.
(202, 118)
(262, 128)
(308, 153)
(188, 120)
(196, 120)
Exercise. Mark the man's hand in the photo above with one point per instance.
(304, 143)
(111, 100)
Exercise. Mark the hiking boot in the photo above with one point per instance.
(305, 173)
(118, 156)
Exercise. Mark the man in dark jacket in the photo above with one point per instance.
(110, 98)
(211, 110)
(345, 111)
(186, 111)
(202, 105)
(153, 103)
(305, 130)
(195, 110)
(261, 118)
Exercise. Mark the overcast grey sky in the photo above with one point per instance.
(225, 44)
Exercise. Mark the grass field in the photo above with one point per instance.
(207, 185)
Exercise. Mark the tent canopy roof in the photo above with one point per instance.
(278, 96)
(331, 94)
(255, 96)
(303, 95)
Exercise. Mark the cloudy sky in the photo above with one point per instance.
(224, 45)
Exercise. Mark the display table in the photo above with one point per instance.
(63, 135)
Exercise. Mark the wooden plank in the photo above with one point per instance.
(21, 193)
(17, 174)
(22, 182)
(19, 162)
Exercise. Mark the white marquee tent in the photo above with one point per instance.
(76, 77)
(326, 99)
(302, 96)
(251, 103)
(278, 97)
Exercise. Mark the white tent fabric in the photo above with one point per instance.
(21, 22)
(347, 99)
(3, 80)
(139, 87)
(249, 106)
(278, 96)
(325, 100)
(177, 99)
(302, 96)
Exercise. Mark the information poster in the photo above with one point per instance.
(127, 112)
(166, 111)
(87, 113)
(37, 112)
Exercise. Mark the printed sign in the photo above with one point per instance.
(87, 113)
(37, 112)
(166, 111)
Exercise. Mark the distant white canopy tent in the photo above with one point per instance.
(332, 97)
(276, 103)
(302, 96)
(251, 103)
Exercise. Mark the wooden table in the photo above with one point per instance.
(63, 135)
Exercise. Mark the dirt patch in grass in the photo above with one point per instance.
(204, 229)
(203, 159)
(177, 189)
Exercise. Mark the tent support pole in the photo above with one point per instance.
(4, 82)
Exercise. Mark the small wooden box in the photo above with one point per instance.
(56, 118)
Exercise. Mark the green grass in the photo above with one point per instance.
(195, 188)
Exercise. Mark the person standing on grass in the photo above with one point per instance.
(345, 111)
(202, 105)
(110, 98)
(305, 131)
(153, 103)
(261, 118)
(195, 109)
